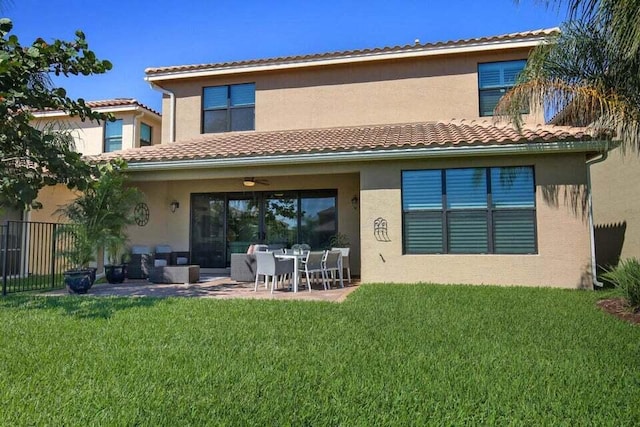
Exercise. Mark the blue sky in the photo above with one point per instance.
(135, 34)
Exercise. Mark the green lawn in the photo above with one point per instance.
(389, 355)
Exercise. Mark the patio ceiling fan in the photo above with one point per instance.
(251, 181)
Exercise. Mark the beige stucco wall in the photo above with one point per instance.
(563, 258)
(165, 227)
(616, 206)
(399, 91)
(89, 135)
(52, 198)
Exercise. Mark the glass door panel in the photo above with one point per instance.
(317, 220)
(243, 224)
(281, 219)
(207, 230)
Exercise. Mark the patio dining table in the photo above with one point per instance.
(297, 258)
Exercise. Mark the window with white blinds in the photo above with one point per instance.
(469, 211)
(494, 80)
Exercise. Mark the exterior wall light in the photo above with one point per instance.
(174, 205)
(354, 202)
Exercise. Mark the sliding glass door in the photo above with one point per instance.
(208, 225)
(243, 224)
(226, 223)
(281, 219)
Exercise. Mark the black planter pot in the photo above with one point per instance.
(93, 274)
(79, 281)
(115, 273)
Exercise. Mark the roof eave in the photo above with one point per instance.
(112, 109)
(369, 155)
(528, 42)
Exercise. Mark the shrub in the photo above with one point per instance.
(626, 277)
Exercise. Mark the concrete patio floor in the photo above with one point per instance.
(212, 287)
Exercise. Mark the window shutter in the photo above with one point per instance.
(489, 76)
(489, 99)
(514, 232)
(466, 188)
(511, 71)
(468, 232)
(423, 232)
(215, 97)
(243, 95)
(512, 187)
(499, 74)
(421, 190)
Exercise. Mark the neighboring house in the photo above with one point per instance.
(135, 125)
(394, 147)
(616, 200)
(616, 207)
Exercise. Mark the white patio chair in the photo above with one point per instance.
(345, 260)
(268, 266)
(314, 264)
(333, 267)
(260, 248)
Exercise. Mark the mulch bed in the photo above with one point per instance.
(619, 308)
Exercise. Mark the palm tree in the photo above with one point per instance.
(588, 74)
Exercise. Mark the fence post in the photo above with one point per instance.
(5, 254)
(53, 257)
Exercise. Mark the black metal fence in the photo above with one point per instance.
(28, 259)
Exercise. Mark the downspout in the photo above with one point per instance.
(590, 163)
(136, 118)
(172, 110)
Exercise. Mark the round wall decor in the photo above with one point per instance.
(141, 214)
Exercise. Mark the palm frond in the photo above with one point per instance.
(586, 77)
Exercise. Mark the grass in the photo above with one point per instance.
(389, 355)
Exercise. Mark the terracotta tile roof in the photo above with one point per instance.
(120, 102)
(116, 102)
(533, 34)
(347, 139)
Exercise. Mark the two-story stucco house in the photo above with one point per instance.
(135, 125)
(394, 147)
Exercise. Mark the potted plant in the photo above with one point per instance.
(116, 270)
(104, 211)
(77, 248)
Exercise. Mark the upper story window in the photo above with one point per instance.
(228, 108)
(469, 211)
(112, 136)
(494, 80)
(145, 135)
